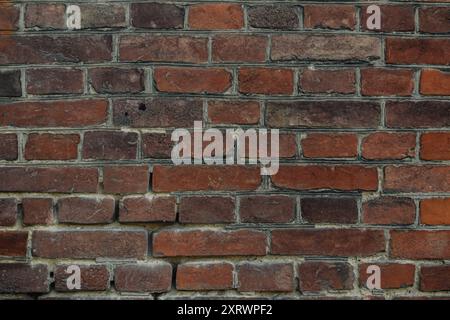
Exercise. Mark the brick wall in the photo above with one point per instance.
(86, 177)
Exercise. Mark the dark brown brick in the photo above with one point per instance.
(55, 81)
(45, 16)
(325, 276)
(273, 17)
(155, 277)
(147, 209)
(10, 85)
(434, 19)
(389, 210)
(157, 145)
(9, 17)
(259, 208)
(157, 16)
(47, 146)
(95, 16)
(329, 17)
(329, 210)
(117, 80)
(24, 278)
(417, 114)
(239, 48)
(8, 211)
(8, 147)
(327, 81)
(418, 51)
(206, 209)
(84, 210)
(37, 211)
(435, 278)
(110, 145)
(125, 179)
(266, 277)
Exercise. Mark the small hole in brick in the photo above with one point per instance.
(126, 114)
(142, 107)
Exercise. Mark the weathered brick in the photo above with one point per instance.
(197, 178)
(204, 276)
(273, 17)
(434, 19)
(418, 51)
(323, 145)
(393, 275)
(152, 277)
(24, 278)
(9, 17)
(157, 145)
(8, 147)
(117, 80)
(435, 211)
(147, 209)
(328, 242)
(387, 82)
(329, 17)
(329, 210)
(45, 15)
(325, 276)
(239, 48)
(86, 210)
(95, 16)
(206, 209)
(10, 85)
(172, 243)
(77, 113)
(216, 16)
(157, 16)
(394, 18)
(93, 278)
(325, 47)
(434, 278)
(49, 179)
(13, 243)
(435, 82)
(234, 112)
(389, 145)
(54, 81)
(265, 277)
(420, 244)
(90, 244)
(417, 114)
(157, 112)
(259, 208)
(110, 145)
(327, 81)
(323, 114)
(125, 179)
(312, 177)
(8, 211)
(417, 179)
(435, 146)
(268, 81)
(37, 211)
(389, 210)
(192, 80)
(48, 146)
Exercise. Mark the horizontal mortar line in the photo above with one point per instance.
(322, 226)
(290, 2)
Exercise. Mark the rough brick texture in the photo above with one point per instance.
(87, 118)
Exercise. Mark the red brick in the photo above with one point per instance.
(239, 48)
(270, 209)
(184, 243)
(165, 48)
(204, 276)
(157, 145)
(8, 211)
(37, 211)
(315, 177)
(327, 81)
(323, 145)
(323, 114)
(389, 145)
(94, 16)
(45, 16)
(435, 278)
(86, 210)
(395, 18)
(417, 179)
(54, 81)
(90, 244)
(234, 112)
(216, 16)
(324, 47)
(52, 49)
(117, 80)
(393, 275)
(328, 242)
(435, 211)
(23, 278)
(9, 17)
(282, 17)
(420, 244)
(147, 209)
(435, 82)
(329, 210)
(8, 146)
(49, 179)
(154, 277)
(419, 114)
(266, 81)
(13, 243)
(157, 16)
(197, 178)
(206, 209)
(47, 146)
(192, 80)
(110, 145)
(125, 179)
(387, 82)
(93, 278)
(389, 210)
(435, 146)
(325, 276)
(329, 17)
(78, 113)
(266, 277)
(418, 51)
(434, 19)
